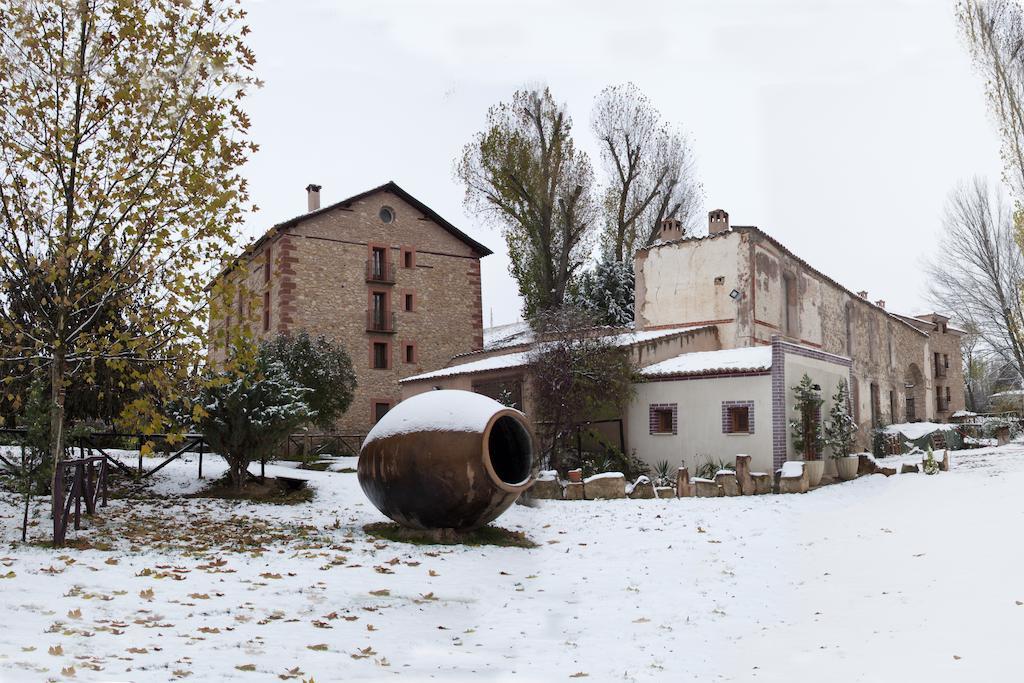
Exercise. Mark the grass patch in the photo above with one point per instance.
(488, 535)
(279, 491)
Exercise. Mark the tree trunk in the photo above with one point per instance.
(56, 418)
(237, 469)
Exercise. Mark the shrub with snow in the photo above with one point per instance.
(246, 410)
(841, 429)
(321, 366)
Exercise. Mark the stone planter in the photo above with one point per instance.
(707, 488)
(605, 486)
(846, 467)
(815, 470)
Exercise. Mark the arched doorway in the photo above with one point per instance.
(913, 388)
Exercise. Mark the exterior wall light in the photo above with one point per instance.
(735, 295)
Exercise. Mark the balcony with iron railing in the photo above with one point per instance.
(941, 404)
(377, 321)
(381, 272)
(940, 370)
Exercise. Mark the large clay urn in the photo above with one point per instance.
(446, 460)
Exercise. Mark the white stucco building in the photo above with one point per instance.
(726, 325)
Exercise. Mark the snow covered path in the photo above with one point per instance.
(906, 578)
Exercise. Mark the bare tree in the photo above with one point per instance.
(994, 30)
(524, 172)
(576, 375)
(648, 167)
(979, 269)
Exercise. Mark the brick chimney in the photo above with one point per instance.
(880, 303)
(313, 196)
(671, 229)
(718, 221)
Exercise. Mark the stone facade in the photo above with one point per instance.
(753, 289)
(379, 268)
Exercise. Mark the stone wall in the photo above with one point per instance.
(318, 283)
(689, 281)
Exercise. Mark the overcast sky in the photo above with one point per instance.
(837, 127)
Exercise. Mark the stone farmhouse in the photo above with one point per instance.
(380, 272)
(749, 318)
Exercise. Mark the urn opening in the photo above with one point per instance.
(510, 450)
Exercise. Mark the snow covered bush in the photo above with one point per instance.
(246, 410)
(321, 366)
(841, 429)
(930, 464)
(806, 428)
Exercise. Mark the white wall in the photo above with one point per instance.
(700, 421)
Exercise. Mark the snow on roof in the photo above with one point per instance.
(521, 358)
(745, 359)
(964, 413)
(500, 336)
(916, 430)
(1012, 393)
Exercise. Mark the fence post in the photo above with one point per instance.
(90, 488)
(103, 480)
(141, 441)
(76, 492)
(202, 444)
(58, 505)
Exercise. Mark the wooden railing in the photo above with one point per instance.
(88, 484)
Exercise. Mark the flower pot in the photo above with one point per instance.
(846, 467)
(815, 470)
(446, 460)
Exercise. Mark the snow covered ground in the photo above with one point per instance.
(912, 577)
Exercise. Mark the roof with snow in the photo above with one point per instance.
(1012, 393)
(519, 359)
(512, 334)
(742, 360)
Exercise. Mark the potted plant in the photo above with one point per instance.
(806, 428)
(840, 432)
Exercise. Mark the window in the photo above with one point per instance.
(380, 409)
(663, 418)
(266, 311)
(849, 329)
(876, 405)
(267, 265)
(410, 353)
(892, 407)
(408, 302)
(737, 417)
(386, 214)
(380, 355)
(378, 263)
(911, 409)
(789, 299)
(739, 420)
(408, 258)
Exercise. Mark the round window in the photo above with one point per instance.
(386, 214)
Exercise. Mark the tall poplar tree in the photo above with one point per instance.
(524, 173)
